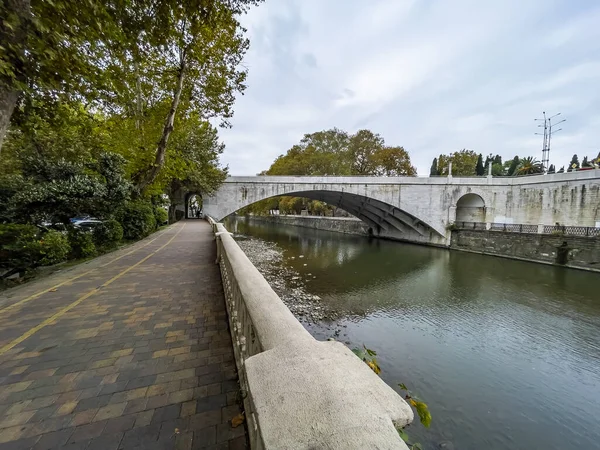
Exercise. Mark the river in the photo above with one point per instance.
(505, 353)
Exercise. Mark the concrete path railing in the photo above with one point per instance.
(300, 393)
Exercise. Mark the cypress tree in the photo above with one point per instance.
(479, 170)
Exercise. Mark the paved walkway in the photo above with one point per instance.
(130, 350)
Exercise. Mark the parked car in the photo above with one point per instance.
(87, 224)
(80, 218)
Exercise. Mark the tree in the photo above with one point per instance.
(574, 164)
(514, 165)
(362, 148)
(585, 162)
(433, 172)
(497, 169)
(52, 46)
(551, 169)
(192, 162)
(479, 169)
(463, 163)
(198, 48)
(392, 162)
(530, 165)
(59, 190)
(562, 170)
(321, 153)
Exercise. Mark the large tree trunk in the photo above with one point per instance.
(161, 148)
(13, 39)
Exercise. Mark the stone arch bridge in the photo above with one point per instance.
(421, 209)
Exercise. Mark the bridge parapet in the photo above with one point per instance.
(300, 393)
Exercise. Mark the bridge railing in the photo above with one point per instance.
(299, 392)
(526, 228)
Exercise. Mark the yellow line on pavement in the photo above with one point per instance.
(34, 296)
(67, 308)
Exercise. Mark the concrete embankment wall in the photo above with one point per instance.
(347, 225)
(581, 252)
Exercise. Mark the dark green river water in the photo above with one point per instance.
(505, 353)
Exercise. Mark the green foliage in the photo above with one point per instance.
(54, 248)
(433, 172)
(421, 407)
(291, 205)
(138, 220)
(574, 164)
(107, 233)
(551, 169)
(9, 186)
(335, 152)
(514, 165)
(529, 166)
(82, 243)
(463, 163)
(479, 169)
(19, 246)
(161, 215)
(58, 190)
(368, 357)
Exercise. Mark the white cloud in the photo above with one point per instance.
(433, 76)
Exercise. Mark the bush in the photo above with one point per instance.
(82, 243)
(161, 215)
(108, 233)
(19, 246)
(54, 248)
(138, 220)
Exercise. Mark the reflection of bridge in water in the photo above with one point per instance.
(421, 209)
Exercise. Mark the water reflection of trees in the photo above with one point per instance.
(347, 264)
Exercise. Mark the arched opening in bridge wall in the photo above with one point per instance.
(193, 205)
(470, 208)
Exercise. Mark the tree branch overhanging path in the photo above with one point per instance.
(129, 56)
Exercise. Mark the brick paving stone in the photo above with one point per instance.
(54, 439)
(131, 364)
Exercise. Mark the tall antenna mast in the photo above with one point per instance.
(548, 132)
(551, 131)
(545, 150)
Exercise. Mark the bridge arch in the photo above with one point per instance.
(383, 218)
(470, 208)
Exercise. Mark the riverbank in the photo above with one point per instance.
(287, 283)
(583, 253)
(346, 225)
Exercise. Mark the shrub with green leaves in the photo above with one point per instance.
(138, 220)
(54, 248)
(82, 243)
(108, 233)
(19, 246)
(161, 215)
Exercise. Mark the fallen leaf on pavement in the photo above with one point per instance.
(237, 420)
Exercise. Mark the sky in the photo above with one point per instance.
(433, 76)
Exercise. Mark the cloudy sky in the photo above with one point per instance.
(434, 76)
